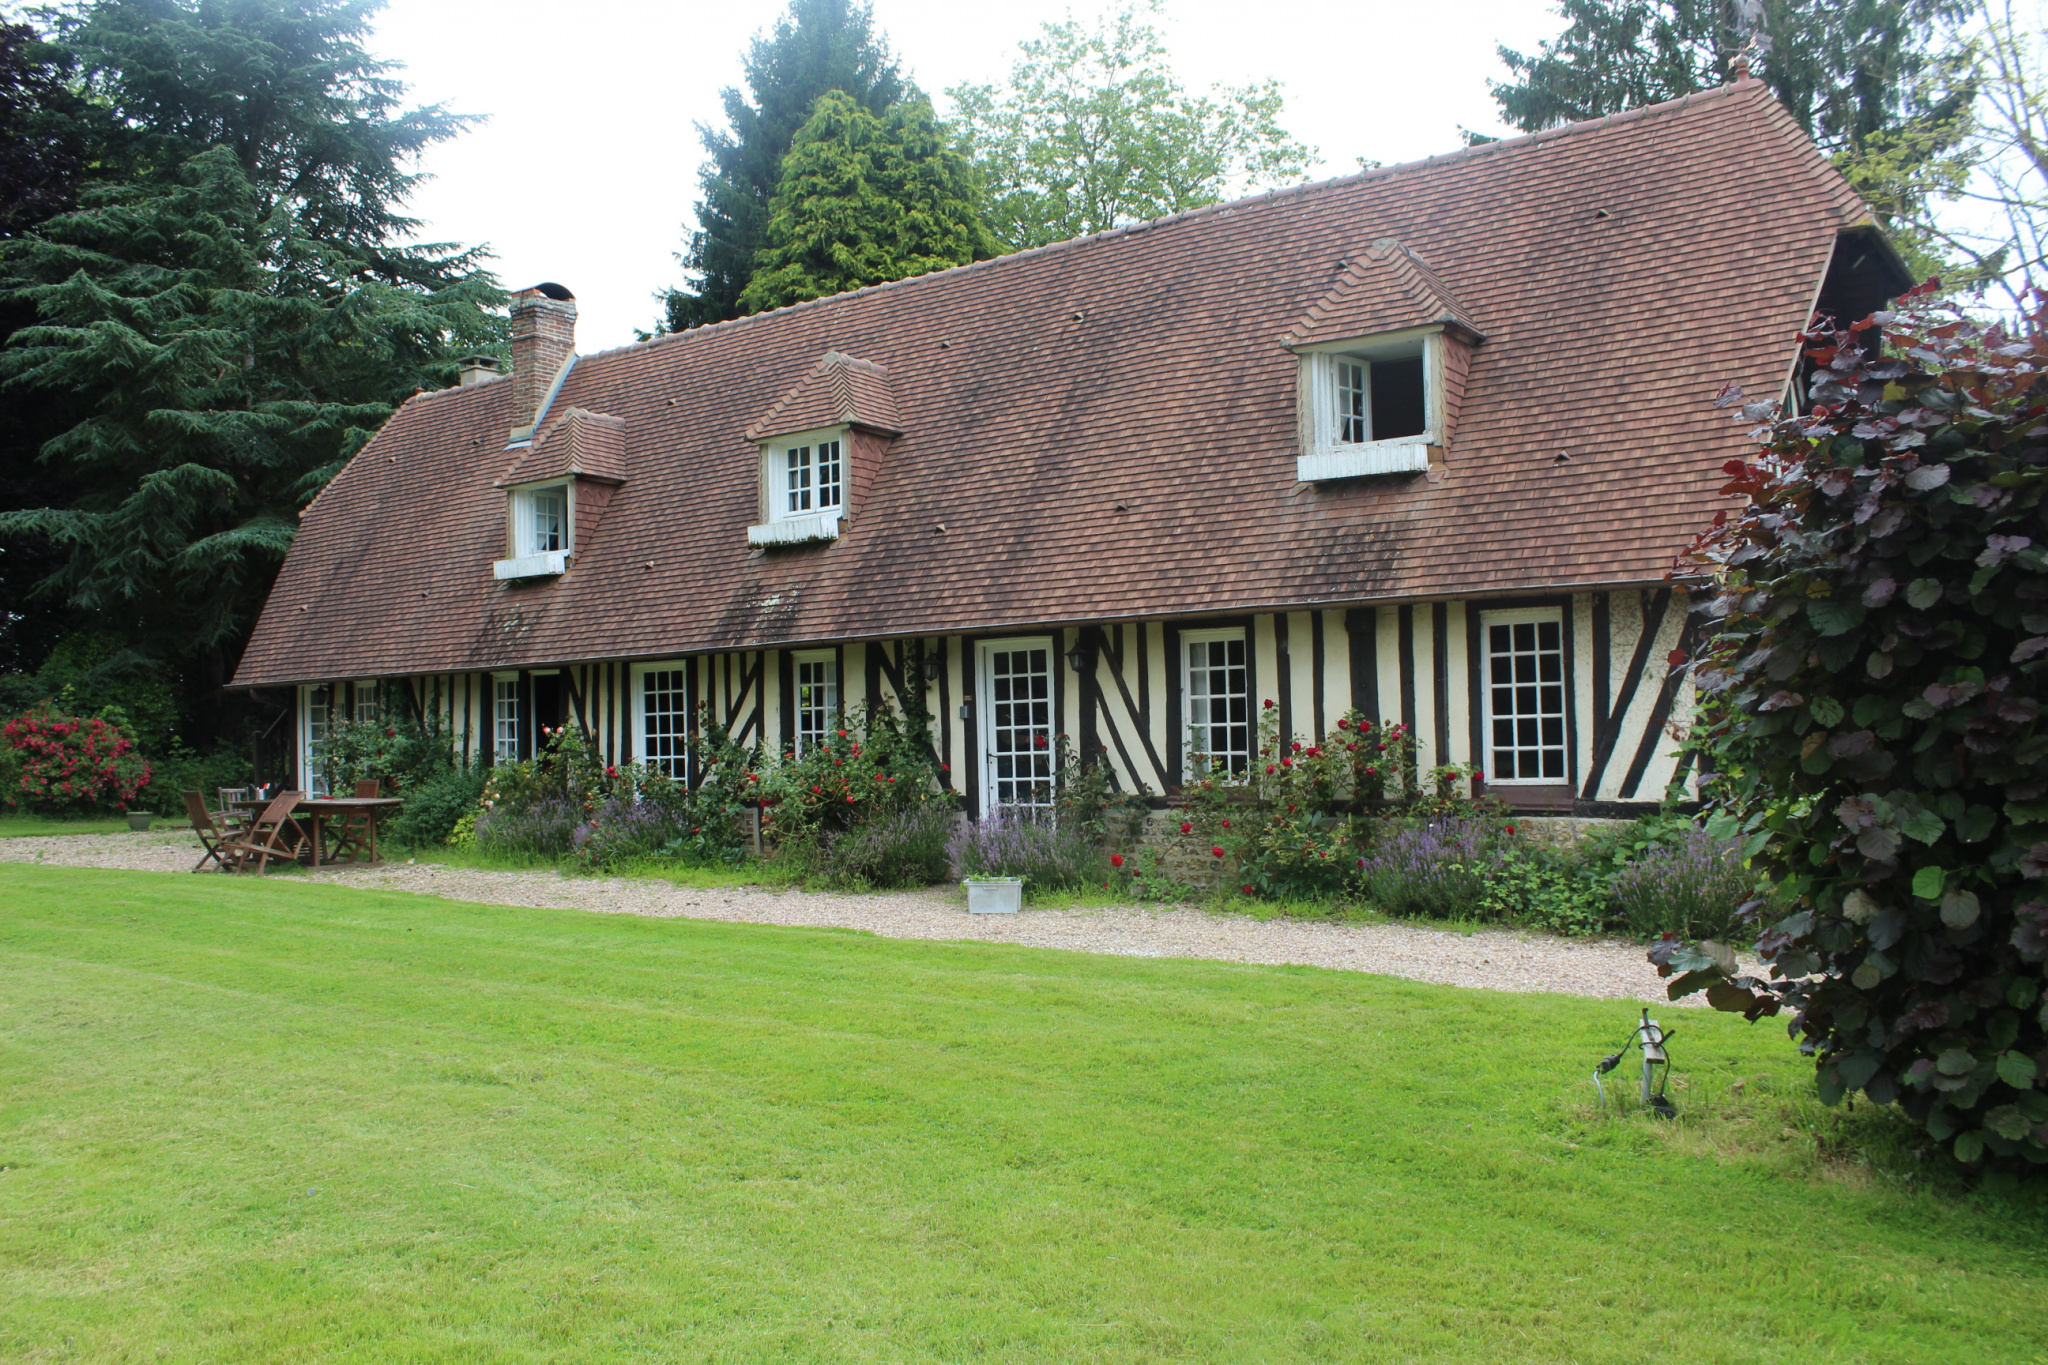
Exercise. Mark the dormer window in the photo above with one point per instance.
(814, 478)
(539, 536)
(1372, 406)
(544, 518)
(804, 488)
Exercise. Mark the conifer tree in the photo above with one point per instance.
(864, 200)
(819, 45)
(1867, 79)
(231, 310)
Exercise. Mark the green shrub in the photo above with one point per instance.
(433, 808)
(1534, 887)
(179, 770)
(1872, 724)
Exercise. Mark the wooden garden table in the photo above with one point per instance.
(319, 811)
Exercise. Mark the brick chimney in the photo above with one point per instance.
(543, 340)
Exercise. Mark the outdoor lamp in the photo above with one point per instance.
(1081, 658)
(932, 663)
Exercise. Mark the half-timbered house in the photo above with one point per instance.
(1421, 441)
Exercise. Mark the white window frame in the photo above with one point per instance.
(313, 734)
(782, 524)
(1187, 693)
(986, 719)
(504, 747)
(675, 764)
(1325, 455)
(361, 710)
(828, 714)
(528, 557)
(1484, 761)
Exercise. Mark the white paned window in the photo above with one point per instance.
(1217, 687)
(544, 520)
(1372, 406)
(505, 719)
(369, 701)
(1017, 700)
(665, 721)
(817, 698)
(1525, 696)
(813, 478)
(1354, 401)
(318, 710)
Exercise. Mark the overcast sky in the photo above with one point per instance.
(586, 169)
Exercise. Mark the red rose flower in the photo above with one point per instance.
(1218, 851)
(1186, 828)
(1248, 889)
(1116, 860)
(1226, 824)
(1511, 829)
(1269, 703)
(1343, 725)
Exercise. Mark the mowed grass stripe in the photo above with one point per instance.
(265, 1120)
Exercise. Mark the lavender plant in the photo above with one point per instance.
(1693, 887)
(904, 847)
(1048, 855)
(542, 829)
(1436, 868)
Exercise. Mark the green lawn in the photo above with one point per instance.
(36, 826)
(248, 1120)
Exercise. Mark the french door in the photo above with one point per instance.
(1017, 723)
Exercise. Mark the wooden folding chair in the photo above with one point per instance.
(215, 834)
(272, 834)
(228, 797)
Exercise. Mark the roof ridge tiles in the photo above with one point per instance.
(1430, 162)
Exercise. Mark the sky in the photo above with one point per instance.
(585, 168)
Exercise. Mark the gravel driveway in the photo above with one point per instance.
(1490, 960)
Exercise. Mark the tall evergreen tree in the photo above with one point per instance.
(819, 45)
(864, 200)
(231, 310)
(1867, 79)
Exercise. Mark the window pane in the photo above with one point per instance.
(1526, 720)
(1218, 690)
(549, 525)
(817, 701)
(1354, 421)
(828, 474)
(665, 720)
(798, 464)
(505, 719)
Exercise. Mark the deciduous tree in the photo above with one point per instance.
(1095, 129)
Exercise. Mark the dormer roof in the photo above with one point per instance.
(840, 390)
(578, 443)
(1388, 287)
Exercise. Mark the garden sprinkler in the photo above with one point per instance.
(1650, 1038)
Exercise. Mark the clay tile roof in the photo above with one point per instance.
(1384, 288)
(839, 391)
(1106, 428)
(580, 443)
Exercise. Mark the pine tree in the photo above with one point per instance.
(819, 45)
(864, 200)
(230, 312)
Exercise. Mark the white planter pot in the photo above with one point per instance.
(139, 820)
(996, 896)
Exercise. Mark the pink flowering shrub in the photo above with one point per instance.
(63, 763)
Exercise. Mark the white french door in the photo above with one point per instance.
(1017, 723)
